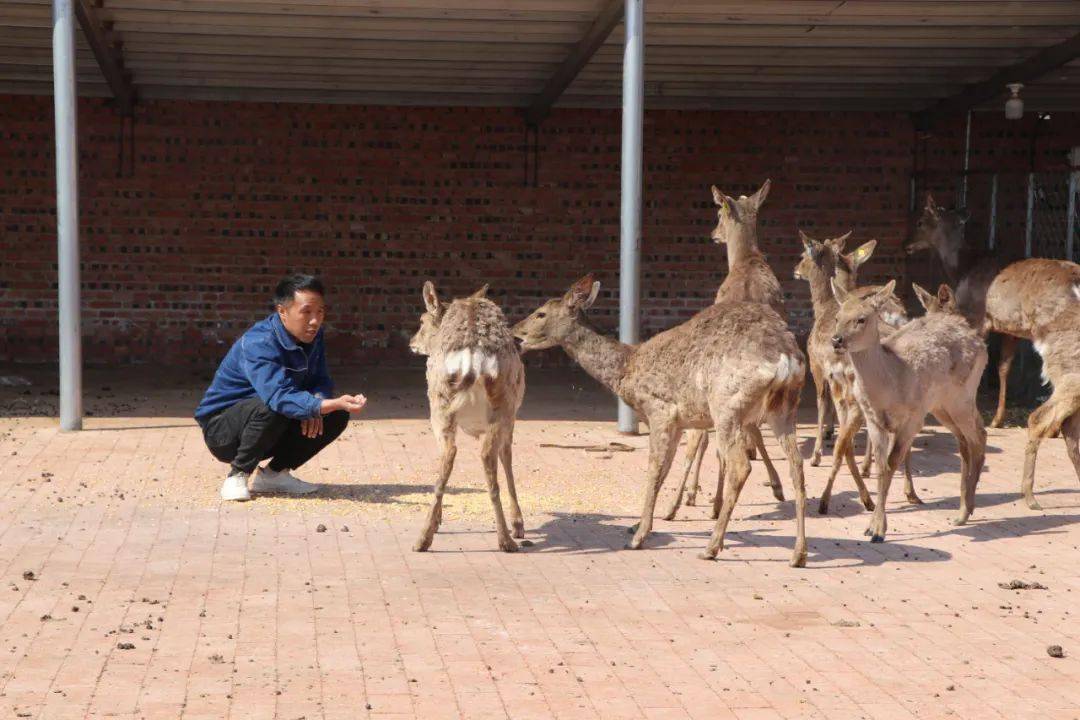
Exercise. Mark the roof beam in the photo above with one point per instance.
(609, 16)
(107, 54)
(1033, 68)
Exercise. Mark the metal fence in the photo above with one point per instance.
(1029, 214)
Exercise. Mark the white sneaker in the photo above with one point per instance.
(235, 487)
(268, 481)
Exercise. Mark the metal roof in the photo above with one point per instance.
(763, 54)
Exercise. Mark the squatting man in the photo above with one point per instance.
(271, 397)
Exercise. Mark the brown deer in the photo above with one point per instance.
(749, 279)
(1012, 299)
(834, 379)
(476, 382)
(932, 364)
(1059, 345)
(729, 367)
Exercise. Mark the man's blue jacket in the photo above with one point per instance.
(268, 363)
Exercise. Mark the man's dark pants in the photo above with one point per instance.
(249, 432)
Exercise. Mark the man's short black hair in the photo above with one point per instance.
(289, 286)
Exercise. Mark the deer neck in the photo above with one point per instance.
(878, 371)
(604, 358)
(742, 246)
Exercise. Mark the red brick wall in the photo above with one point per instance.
(180, 256)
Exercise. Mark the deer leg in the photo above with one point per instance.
(868, 458)
(489, 458)
(694, 464)
(971, 425)
(663, 441)
(718, 496)
(888, 455)
(842, 452)
(1008, 350)
(506, 455)
(774, 477)
(821, 391)
(783, 428)
(444, 434)
(737, 469)
(1070, 433)
(909, 484)
(696, 440)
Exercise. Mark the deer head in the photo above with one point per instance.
(826, 259)
(735, 214)
(550, 323)
(421, 342)
(943, 302)
(939, 229)
(857, 320)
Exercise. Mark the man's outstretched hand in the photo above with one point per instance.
(349, 403)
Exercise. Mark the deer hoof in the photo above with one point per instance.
(914, 499)
(633, 528)
(1033, 504)
(635, 543)
(690, 501)
(799, 560)
(778, 492)
(706, 555)
(823, 507)
(868, 504)
(422, 545)
(508, 545)
(519, 529)
(815, 460)
(877, 538)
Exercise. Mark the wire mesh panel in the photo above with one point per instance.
(1050, 208)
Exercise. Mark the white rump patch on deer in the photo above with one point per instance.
(1041, 349)
(1076, 291)
(469, 361)
(787, 367)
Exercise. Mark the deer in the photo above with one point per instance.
(944, 301)
(995, 295)
(729, 367)
(749, 279)
(476, 383)
(932, 364)
(823, 262)
(1058, 343)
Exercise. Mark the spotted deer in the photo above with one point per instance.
(931, 365)
(476, 382)
(823, 262)
(749, 279)
(1059, 345)
(729, 367)
(994, 295)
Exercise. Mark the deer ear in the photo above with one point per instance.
(931, 207)
(717, 196)
(481, 293)
(431, 300)
(730, 206)
(862, 253)
(881, 296)
(761, 194)
(838, 242)
(945, 294)
(838, 292)
(582, 294)
(925, 298)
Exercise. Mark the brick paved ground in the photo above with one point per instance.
(151, 600)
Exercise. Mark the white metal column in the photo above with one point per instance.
(67, 214)
(630, 217)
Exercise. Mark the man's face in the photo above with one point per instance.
(304, 315)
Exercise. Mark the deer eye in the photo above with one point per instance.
(860, 321)
(541, 314)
